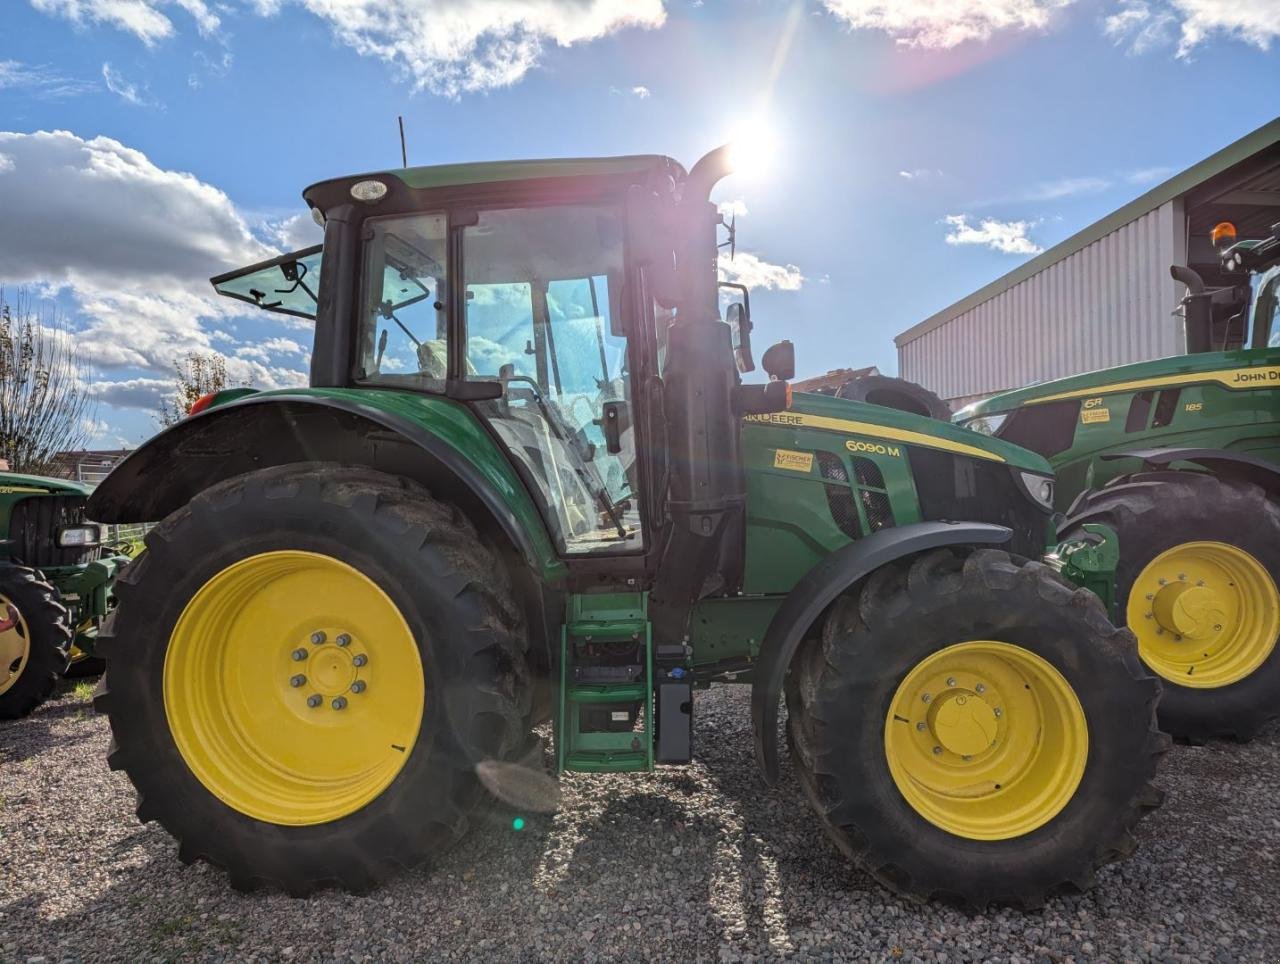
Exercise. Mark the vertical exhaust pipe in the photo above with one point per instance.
(1197, 321)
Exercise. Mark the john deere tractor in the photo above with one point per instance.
(1181, 458)
(528, 482)
(56, 585)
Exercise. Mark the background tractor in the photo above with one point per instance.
(56, 585)
(1181, 458)
(528, 482)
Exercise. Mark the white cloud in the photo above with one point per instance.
(143, 394)
(1007, 237)
(919, 173)
(1147, 175)
(735, 208)
(747, 269)
(125, 89)
(133, 245)
(1146, 25)
(40, 80)
(294, 232)
(142, 18)
(641, 91)
(453, 47)
(1065, 187)
(944, 23)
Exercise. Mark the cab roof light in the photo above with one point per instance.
(1223, 235)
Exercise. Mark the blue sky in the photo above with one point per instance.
(924, 147)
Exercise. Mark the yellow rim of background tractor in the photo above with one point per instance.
(15, 644)
(1206, 614)
(986, 740)
(293, 688)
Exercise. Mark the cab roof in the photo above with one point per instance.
(633, 168)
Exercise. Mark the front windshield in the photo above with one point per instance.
(543, 302)
(287, 285)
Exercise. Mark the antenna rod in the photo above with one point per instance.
(404, 156)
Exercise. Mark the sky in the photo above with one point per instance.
(922, 148)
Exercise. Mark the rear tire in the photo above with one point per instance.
(897, 393)
(455, 602)
(1161, 517)
(35, 649)
(844, 695)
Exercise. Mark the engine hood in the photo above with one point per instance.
(14, 482)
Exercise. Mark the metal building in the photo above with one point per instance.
(1103, 297)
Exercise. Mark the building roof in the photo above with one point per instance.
(1261, 188)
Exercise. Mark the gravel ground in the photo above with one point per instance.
(697, 862)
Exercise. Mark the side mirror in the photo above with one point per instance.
(738, 316)
(779, 361)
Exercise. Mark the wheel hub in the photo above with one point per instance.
(331, 670)
(964, 724)
(1186, 610)
(15, 644)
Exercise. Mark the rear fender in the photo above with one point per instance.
(261, 431)
(1220, 462)
(805, 605)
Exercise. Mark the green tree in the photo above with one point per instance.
(46, 405)
(198, 374)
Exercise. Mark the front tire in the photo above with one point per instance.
(305, 669)
(1197, 584)
(970, 728)
(35, 639)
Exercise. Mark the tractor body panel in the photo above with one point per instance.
(1229, 401)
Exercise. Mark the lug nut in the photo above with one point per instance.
(1164, 582)
(299, 655)
(314, 700)
(1151, 595)
(343, 639)
(937, 750)
(297, 681)
(979, 688)
(1149, 615)
(1217, 627)
(922, 726)
(966, 757)
(359, 660)
(926, 698)
(317, 637)
(1182, 576)
(1199, 582)
(339, 703)
(998, 712)
(951, 681)
(358, 686)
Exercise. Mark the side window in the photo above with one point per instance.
(1139, 410)
(1048, 428)
(1166, 407)
(403, 315)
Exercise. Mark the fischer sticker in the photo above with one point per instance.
(795, 461)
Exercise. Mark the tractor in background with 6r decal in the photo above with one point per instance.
(527, 482)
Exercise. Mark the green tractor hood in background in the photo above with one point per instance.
(11, 482)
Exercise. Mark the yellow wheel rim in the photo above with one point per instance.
(293, 688)
(986, 740)
(15, 644)
(1206, 614)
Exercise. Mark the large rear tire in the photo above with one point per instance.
(1197, 584)
(970, 728)
(898, 393)
(35, 639)
(304, 671)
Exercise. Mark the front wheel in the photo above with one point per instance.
(970, 728)
(306, 670)
(1197, 584)
(35, 638)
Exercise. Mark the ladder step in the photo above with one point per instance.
(608, 693)
(625, 761)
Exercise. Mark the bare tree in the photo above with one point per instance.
(198, 374)
(45, 403)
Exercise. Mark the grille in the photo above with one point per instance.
(962, 489)
(879, 512)
(839, 495)
(33, 526)
(868, 474)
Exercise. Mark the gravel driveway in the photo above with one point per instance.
(696, 862)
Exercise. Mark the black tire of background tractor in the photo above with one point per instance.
(889, 392)
(451, 589)
(841, 686)
(49, 623)
(1154, 511)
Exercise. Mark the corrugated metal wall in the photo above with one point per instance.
(1107, 304)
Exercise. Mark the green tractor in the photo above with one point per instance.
(1181, 458)
(527, 483)
(56, 586)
